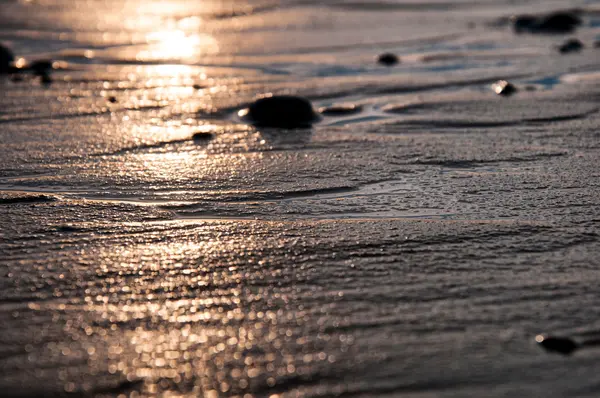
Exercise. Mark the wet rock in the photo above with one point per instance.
(523, 23)
(112, 99)
(571, 45)
(41, 67)
(388, 59)
(46, 79)
(559, 22)
(202, 137)
(284, 111)
(340, 110)
(504, 88)
(6, 60)
(561, 345)
(554, 23)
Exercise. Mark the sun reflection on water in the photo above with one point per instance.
(166, 45)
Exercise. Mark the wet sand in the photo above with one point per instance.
(413, 245)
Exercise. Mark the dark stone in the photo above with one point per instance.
(561, 345)
(524, 23)
(597, 44)
(112, 99)
(504, 88)
(6, 60)
(67, 228)
(198, 87)
(41, 67)
(388, 59)
(559, 22)
(571, 45)
(340, 110)
(283, 111)
(554, 23)
(45, 79)
(202, 137)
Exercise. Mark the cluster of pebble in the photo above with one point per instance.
(39, 68)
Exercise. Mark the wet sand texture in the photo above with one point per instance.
(379, 232)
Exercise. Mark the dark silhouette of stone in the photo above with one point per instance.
(6, 60)
(561, 345)
(559, 22)
(524, 23)
(41, 67)
(284, 111)
(202, 137)
(340, 110)
(112, 99)
(46, 79)
(553, 23)
(570, 46)
(504, 88)
(388, 59)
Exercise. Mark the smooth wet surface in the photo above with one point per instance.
(412, 242)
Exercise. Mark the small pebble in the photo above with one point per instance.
(388, 59)
(552, 23)
(198, 87)
(202, 137)
(46, 79)
(283, 111)
(340, 110)
(6, 59)
(571, 45)
(561, 345)
(504, 88)
(41, 67)
(559, 22)
(523, 23)
(112, 99)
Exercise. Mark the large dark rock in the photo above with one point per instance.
(284, 111)
(6, 60)
(554, 23)
(562, 345)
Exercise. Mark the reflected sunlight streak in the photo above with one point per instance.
(177, 45)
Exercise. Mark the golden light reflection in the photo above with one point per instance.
(219, 345)
(177, 45)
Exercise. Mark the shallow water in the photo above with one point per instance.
(414, 248)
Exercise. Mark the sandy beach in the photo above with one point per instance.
(411, 240)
